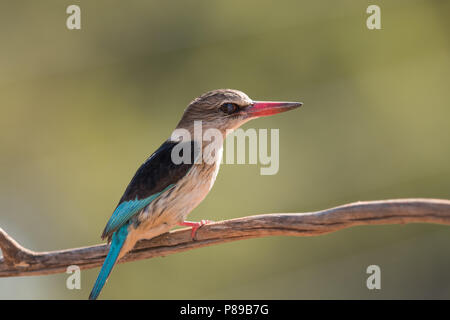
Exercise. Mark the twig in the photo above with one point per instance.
(18, 261)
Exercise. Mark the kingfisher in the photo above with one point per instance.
(164, 190)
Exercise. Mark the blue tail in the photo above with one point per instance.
(117, 242)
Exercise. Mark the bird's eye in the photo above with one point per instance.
(229, 108)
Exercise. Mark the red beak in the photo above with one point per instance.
(268, 108)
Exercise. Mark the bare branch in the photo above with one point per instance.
(13, 253)
(18, 261)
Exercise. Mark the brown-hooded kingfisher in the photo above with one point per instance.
(163, 191)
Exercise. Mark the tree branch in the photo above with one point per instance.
(19, 261)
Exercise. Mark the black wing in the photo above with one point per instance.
(156, 175)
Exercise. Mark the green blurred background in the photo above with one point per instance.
(81, 109)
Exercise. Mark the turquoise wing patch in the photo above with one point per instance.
(127, 209)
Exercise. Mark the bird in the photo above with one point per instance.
(163, 192)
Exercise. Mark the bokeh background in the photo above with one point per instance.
(81, 109)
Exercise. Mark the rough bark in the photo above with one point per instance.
(19, 261)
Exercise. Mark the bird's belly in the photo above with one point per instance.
(173, 206)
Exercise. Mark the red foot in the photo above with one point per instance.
(195, 226)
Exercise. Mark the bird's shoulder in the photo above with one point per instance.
(160, 170)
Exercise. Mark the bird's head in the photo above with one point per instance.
(227, 109)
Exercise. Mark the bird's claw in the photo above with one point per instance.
(195, 226)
